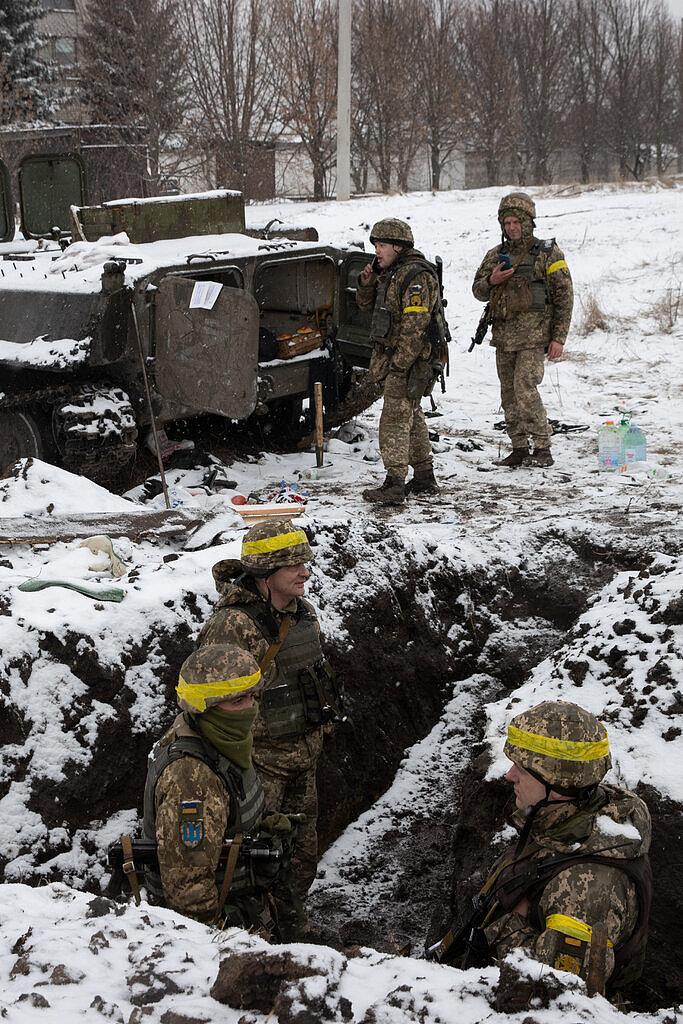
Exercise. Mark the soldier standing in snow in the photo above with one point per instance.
(202, 790)
(402, 297)
(581, 857)
(261, 608)
(527, 283)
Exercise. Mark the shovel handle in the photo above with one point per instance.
(318, 399)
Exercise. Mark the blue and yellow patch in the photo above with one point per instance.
(191, 822)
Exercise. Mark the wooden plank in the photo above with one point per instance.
(136, 524)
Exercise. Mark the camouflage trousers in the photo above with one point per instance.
(403, 435)
(520, 373)
(295, 792)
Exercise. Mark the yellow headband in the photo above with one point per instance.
(285, 540)
(197, 694)
(566, 750)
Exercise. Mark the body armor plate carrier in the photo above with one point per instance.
(303, 695)
(247, 802)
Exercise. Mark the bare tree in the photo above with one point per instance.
(235, 77)
(385, 86)
(627, 130)
(538, 42)
(308, 54)
(439, 64)
(588, 80)
(132, 75)
(491, 85)
(662, 87)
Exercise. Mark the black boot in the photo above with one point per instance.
(540, 457)
(391, 492)
(514, 459)
(423, 482)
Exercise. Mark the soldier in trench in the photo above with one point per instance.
(581, 857)
(262, 609)
(202, 792)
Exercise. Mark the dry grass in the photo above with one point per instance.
(592, 316)
(667, 309)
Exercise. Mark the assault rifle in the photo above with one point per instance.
(482, 327)
(145, 853)
(458, 938)
(444, 342)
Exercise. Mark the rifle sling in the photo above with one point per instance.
(272, 651)
(229, 873)
(128, 866)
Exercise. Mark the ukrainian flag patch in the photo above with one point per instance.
(191, 821)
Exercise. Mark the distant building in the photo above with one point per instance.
(61, 29)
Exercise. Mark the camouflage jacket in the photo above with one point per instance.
(615, 827)
(536, 328)
(400, 315)
(230, 625)
(187, 792)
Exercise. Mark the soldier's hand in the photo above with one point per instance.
(555, 350)
(366, 274)
(499, 274)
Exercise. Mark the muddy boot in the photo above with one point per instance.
(540, 457)
(516, 458)
(423, 482)
(391, 492)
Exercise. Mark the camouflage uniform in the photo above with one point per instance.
(522, 337)
(287, 766)
(190, 876)
(616, 827)
(191, 807)
(566, 749)
(403, 436)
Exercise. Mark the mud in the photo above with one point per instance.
(463, 630)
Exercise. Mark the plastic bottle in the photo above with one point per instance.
(635, 447)
(610, 447)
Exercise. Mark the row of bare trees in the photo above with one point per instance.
(512, 81)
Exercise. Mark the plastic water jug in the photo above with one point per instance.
(610, 447)
(635, 447)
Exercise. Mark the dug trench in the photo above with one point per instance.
(413, 634)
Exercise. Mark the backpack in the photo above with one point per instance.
(425, 371)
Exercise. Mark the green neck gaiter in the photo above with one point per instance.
(230, 732)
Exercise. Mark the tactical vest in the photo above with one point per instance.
(295, 702)
(382, 316)
(247, 802)
(524, 292)
(517, 881)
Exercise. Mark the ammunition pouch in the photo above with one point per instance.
(382, 321)
(422, 377)
(322, 698)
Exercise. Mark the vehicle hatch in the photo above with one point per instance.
(206, 360)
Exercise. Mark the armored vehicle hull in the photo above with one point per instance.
(174, 290)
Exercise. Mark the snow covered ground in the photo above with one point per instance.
(71, 665)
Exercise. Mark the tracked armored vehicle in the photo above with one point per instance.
(220, 321)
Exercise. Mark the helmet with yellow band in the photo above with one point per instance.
(215, 673)
(272, 545)
(560, 743)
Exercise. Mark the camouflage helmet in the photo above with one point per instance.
(215, 673)
(560, 743)
(517, 204)
(273, 545)
(392, 230)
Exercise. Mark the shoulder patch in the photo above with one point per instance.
(547, 244)
(191, 823)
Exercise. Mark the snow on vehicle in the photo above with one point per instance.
(221, 321)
